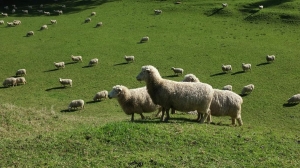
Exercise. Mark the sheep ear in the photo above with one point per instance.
(148, 70)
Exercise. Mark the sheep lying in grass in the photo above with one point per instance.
(144, 39)
(99, 24)
(129, 58)
(93, 13)
(44, 27)
(190, 78)
(75, 104)
(10, 82)
(30, 33)
(13, 11)
(21, 72)
(181, 96)
(226, 68)
(270, 58)
(65, 82)
(21, 80)
(4, 14)
(247, 89)
(246, 67)
(294, 99)
(133, 100)
(177, 71)
(93, 62)
(87, 20)
(53, 21)
(2, 22)
(227, 87)
(224, 5)
(59, 65)
(157, 11)
(101, 95)
(76, 58)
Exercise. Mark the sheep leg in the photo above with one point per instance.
(132, 117)
(168, 115)
(162, 114)
(204, 118)
(209, 119)
(142, 116)
(240, 121)
(173, 111)
(200, 115)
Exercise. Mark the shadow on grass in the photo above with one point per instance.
(124, 63)
(91, 102)
(170, 76)
(2, 87)
(217, 74)
(290, 104)
(215, 11)
(238, 72)
(55, 88)
(243, 95)
(69, 63)
(87, 66)
(51, 70)
(71, 111)
(264, 63)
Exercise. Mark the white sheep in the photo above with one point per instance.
(44, 27)
(246, 67)
(181, 96)
(247, 89)
(63, 6)
(40, 11)
(129, 58)
(270, 58)
(99, 24)
(29, 6)
(25, 11)
(227, 87)
(134, 100)
(4, 14)
(226, 68)
(11, 81)
(2, 22)
(65, 82)
(53, 21)
(93, 13)
(294, 99)
(10, 24)
(177, 71)
(76, 58)
(13, 11)
(93, 62)
(101, 95)
(17, 22)
(157, 11)
(21, 80)
(59, 12)
(41, 6)
(6, 7)
(144, 39)
(75, 104)
(59, 65)
(30, 33)
(87, 20)
(224, 5)
(21, 72)
(260, 7)
(190, 78)
(47, 13)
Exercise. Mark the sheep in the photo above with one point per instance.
(65, 82)
(134, 100)
(157, 11)
(21, 72)
(47, 13)
(13, 11)
(190, 78)
(30, 33)
(4, 14)
(59, 12)
(2, 22)
(226, 68)
(63, 6)
(294, 99)
(21, 80)
(177, 71)
(87, 20)
(144, 39)
(16, 22)
(260, 7)
(93, 13)
(40, 11)
(246, 67)
(247, 89)
(181, 96)
(76, 58)
(270, 58)
(101, 95)
(224, 5)
(53, 21)
(44, 27)
(59, 65)
(129, 58)
(11, 81)
(227, 87)
(75, 104)
(6, 7)
(41, 6)
(93, 62)
(10, 24)
(14, 6)
(25, 11)
(99, 24)
(29, 7)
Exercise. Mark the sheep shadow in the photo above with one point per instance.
(67, 111)
(238, 72)
(51, 70)
(290, 104)
(243, 95)
(217, 74)
(124, 63)
(69, 63)
(170, 76)
(87, 66)
(263, 63)
(55, 88)
(2, 87)
(215, 11)
(91, 102)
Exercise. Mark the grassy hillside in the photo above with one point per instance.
(198, 36)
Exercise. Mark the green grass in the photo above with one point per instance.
(197, 36)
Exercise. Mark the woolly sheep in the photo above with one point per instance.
(53, 21)
(76, 58)
(30, 33)
(246, 67)
(227, 87)
(270, 58)
(47, 13)
(44, 27)
(21, 80)
(10, 82)
(177, 71)
(226, 68)
(157, 11)
(99, 24)
(133, 100)
(10, 24)
(93, 62)
(260, 7)
(1, 22)
(101, 95)
(13, 11)
(93, 13)
(294, 99)
(65, 82)
(4, 14)
(16, 22)
(190, 78)
(59, 12)
(40, 11)
(25, 11)
(144, 39)
(59, 65)
(87, 20)
(75, 104)
(21, 72)
(224, 5)
(247, 89)
(129, 58)
(181, 96)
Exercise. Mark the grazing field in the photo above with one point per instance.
(37, 130)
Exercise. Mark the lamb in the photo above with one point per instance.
(93, 62)
(144, 39)
(99, 24)
(246, 67)
(65, 82)
(59, 65)
(181, 96)
(1, 22)
(190, 78)
(177, 71)
(4, 14)
(247, 89)
(87, 20)
(227, 87)
(157, 11)
(21, 72)
(294, 99)
(93, 13)
(47, 13)
(30, 33)
(133, 100)
(21, 80)
(270, 58)
(260, 7)
(53, 21)
(10, 82)
(44, 27)
(76, 58)
(101, 95)
(226, 68)
(75, 104)
(25, 11)
(224, 5)
(129, 58)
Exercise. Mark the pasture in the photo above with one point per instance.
(36, 130)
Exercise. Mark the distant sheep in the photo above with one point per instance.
(4, 14)
(93, 62)
(21, 72)
(21, 80)
(41, 6)
(190, 78)
(40, 11)
(65, 82)
(227, 87)
(226, 68)
(59, 65)
(247, 89)
(87, 20)
(99, 24)
(75, 104)
(246, 67)
(294, 99)
(260, 7)
(29, 7)
(44, 27)
(30, 33)
(53, 21)
(13, 11)
(93, 13)
(270, 58)
(177, 71)
(16, 22)
(10, 24)
(6, 7)
(25, 11)
(133, 100)
(76, 58)
(129, 58)
(2, 22)
(144, 39)
(47, 13)
(224, 5)
(59, 12)
(157, 11)
(101, 95)
(63, 6)
(10, 82)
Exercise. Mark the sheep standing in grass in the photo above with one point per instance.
(190, 78)
(226, 68)
(76, 58)
(93, 13)
(21, 80)
(87, 20)
(44, 27)
(2, 22)
(181, 96)
(10, 24)
(47, 13)
(157, 11)
(25, 11)
(246, 67)
(65, 82)
(101, 95)
(16, 22)
(30, 33)
(270, 58)
(93, 62)
(53, 21)
(40, 11)
(260, 7)
(4, 14)
(10, 82)
(59, 65)
(224, 5)
(294, 99)
(21, 72)
(59, 12)
(13, 11)
(144, 39)
(75, 104)
(227, 87)
(177, 71)
(129, 58)
(134, 100)
(247, 89)
(99, 24)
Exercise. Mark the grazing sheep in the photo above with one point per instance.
(53, 21)
(29, 7)
(40, 11)
(270, 58)
(93, 13)
(16, 22)
(129, 58)
(224, 5)
(190, 78)
(87, 20)
(30, 33)
(75, 104)
(59, 12)
(21, 72)
(181, 96)
(260, 7)
(44, 27)
(13, 11)
(65, 82)
(76, 58)
(133, 100)
(63, 6)
(21, 80)
(227, 87)
(99, 24)
(11, 81)
(59, 65)
(14, 6)
(10, 24)
(144, 39)
(247, 89)
(157, 11)
(226, 68)
(101, 95)
(2, 22)
(4, 14)
(246, 67)
(93, 62)
(177, 71)
(6, 7)
(47, 13)
(294, 99)
(25, 11)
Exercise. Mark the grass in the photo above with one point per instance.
(196, 36)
